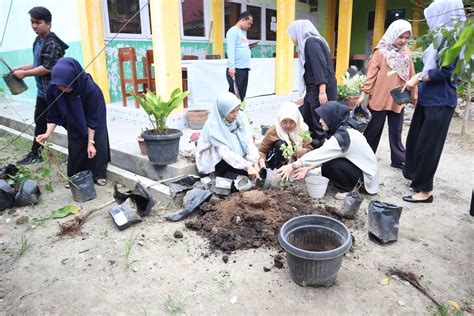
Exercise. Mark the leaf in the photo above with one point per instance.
(48, 187)
(385, 281)
(454, 304)
(65, 211)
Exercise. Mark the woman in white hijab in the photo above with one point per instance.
(225, 145)
(317, 82)
(390, 66)
(437, 100)
(287, 130)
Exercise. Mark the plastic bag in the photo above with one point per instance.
(139, 196)
(7, 196)
(28, 193)
(182, 184)
(191, 201)
(360, 117)
(352, 202)
(242, 183)
(8, 170)
(272, 180)
(383, 221)
(124, 215)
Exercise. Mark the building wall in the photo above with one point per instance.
(16, 49)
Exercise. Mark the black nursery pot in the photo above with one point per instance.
(400, 97)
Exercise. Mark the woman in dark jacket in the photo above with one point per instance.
(79, 106)
(317, 77)
(436, 103)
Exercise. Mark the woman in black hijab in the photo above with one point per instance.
(344, 158)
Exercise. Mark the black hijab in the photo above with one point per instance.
(335, 115)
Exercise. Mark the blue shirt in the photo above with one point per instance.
(238, 50)
(36, 55)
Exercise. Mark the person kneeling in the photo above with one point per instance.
(286, 131)
(225, 145)
(345, 157)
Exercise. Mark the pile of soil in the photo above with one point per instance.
(251, 219)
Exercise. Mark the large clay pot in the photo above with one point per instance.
(197, 118)
(162, 149)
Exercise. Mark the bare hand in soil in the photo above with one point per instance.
(285, 171)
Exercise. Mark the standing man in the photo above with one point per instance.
(47, 49)
(238, 54)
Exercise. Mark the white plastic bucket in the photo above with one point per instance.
(316, 186)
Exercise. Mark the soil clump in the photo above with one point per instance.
(251, 219)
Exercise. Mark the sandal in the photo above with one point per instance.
(67, 185)
(101, 182)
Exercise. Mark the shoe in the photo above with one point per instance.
(410, 199)
(341, 195)
(30, 159)
(398, 166)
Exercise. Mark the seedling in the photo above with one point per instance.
(35, 222)
(225, 286)
(174, 307)
(22, 246)
(128, 250)
(104, 232)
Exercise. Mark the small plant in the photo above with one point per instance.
(159, 109)
(351, 86)
(128, 250)
(104, 232)
(22, 246)
(225, 286)
(289, 150)
(174, 307)
(35, 222)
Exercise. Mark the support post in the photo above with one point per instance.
(379, 21)
(165, 22)
(344, 38)
(217, 31)
(92, 39)
(284, 47)
(330, 22)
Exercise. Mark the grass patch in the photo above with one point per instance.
(129, 243)
(225, 286)
(173, 306)
(22, 246)
(35, 222)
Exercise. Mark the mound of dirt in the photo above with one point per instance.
(251, 219)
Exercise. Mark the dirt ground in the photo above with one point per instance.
(145, 270)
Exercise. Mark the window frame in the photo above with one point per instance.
(263, 17)
(188, 38)
(144, 24)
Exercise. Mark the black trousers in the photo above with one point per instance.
(275, 156)
(342, 173)
(241, 80)
(78, 160)
(311, 103)
(425, 142)
(374, 131)
(40, 122)
(223, 169)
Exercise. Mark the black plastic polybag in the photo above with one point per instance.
(8, 170)
(383, 221)
(124, 215)
(182, 184)
(191, 201)
(139, 196)
(7, 196)
(28, 193)
(351, 206)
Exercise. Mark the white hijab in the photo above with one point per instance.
(299, 31)
(396, 58)
(437, 14)
(219, 132)
(289, 110)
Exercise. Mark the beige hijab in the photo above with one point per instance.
(289, 110)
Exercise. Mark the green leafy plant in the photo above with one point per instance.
(65, 211)
(351, 86)
(159, 109)
(289, 150)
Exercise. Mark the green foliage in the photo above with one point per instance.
(65, 211)
(22, 246)
(173, 306)
(351, 86)
(289, 150)
(35, 222)
(128, 250)
(159, 109)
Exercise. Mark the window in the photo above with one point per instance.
(120, 11)
(231, 14)
(255, 32)
(270, 24)
(193, 18)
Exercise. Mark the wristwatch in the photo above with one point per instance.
(293, 165)
(420, 77)
(92, 142)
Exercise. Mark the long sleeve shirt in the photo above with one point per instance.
(378, 83)
(208, 156)
(238, 50)
(440, 90)
(359, 153)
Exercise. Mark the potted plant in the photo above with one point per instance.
(348, 92)
(162, 143)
